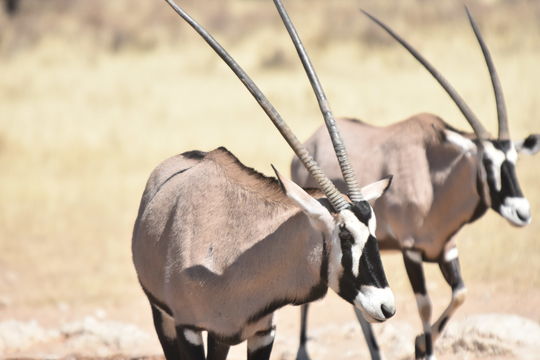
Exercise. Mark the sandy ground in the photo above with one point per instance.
(334, 332)
(82, 124)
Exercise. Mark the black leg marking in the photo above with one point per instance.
(429, 344)
(260, 344)
(415, 271)
(303, 324)
(371, 341)
(216, 350)
(190, 344)
(443, 324)
(302, 353)
(167, 340)
(451, 271)
(449, 265)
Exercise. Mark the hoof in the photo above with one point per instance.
(420, 349)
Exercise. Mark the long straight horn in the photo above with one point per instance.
(331, 192)
(347, 170)
(504, 133)
(479, 130)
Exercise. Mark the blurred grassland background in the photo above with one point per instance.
(94, 94)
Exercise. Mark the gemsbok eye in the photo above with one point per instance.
(345, 235)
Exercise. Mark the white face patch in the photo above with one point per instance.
(372, 225)
(256, 341)
(193, 337)
(360, 233)
(370, 299)
(516, 210)
(512, 155)
(497, 157)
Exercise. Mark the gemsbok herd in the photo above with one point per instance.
(218, 247)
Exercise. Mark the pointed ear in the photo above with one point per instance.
(530, 145)
(465, 144)
(376, 189)
(319, 216)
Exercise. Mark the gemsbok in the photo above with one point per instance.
(444, 179)
(218, 247)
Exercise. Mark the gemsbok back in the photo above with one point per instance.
(219, 247)
(444, 179)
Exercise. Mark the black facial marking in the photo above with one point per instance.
(362, 211)
(347, 289)
(503, 145)
(509, 186)
(371, 269)
(345, 236)
(509, 183)
(482, 205)
(194, 154)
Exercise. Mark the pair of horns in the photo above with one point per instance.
(479, 130)
(332, 193)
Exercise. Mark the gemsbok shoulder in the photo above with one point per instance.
(218, 247)
(444, 178)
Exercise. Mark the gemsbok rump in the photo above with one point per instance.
(219, 247)
(443, 179)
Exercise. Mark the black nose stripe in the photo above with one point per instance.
(509, 183)
(371, 271)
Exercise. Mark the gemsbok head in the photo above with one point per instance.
(219, 247)
(444, 178)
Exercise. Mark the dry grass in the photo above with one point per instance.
(84, 119)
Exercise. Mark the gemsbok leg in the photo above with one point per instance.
(449, 265)
(216, 349)
(190, 343)
(260, 344)
(302, 354)
(371, 341)
(166, 332)
(413, 264)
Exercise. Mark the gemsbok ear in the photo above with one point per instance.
(375, 190)
(530, 145)
(465, 144)
(318, 214)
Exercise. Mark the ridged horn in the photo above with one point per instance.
(354, 190)
(504, 133)
(332, 193)
(478, 128)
